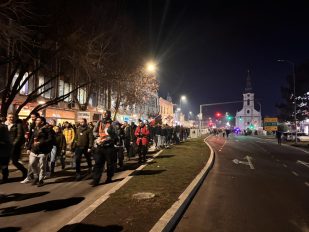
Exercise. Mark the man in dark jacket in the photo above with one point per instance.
(5, 148)
(119, 145)
(128, 138)
(40, 144)
(105, 135)
(17, 138)
(84, 143)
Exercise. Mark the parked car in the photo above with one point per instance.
(301, 137)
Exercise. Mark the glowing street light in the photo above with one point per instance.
(41, 102)
(151, 67)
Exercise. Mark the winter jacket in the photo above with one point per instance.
(45, 136)
(105, 132)
(5, 145)
(17, 134)
(119, 136)
(142, 134)
(129, 134)
(84, 137)
(60, 143)
(69, 135)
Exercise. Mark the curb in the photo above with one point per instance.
(171, 217)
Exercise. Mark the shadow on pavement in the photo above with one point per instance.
(80, 227)
(164, 156)
(20, 196)
(147, 172)
(10, 229)
(44, 206)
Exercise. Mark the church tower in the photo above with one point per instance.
(248, 117)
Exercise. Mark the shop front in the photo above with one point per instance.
(60, 116)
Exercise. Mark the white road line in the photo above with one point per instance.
(284, 165)
(307, 184)
(295, 173)
(303, 163)
(249, 161)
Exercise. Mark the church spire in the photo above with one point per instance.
(248, 88)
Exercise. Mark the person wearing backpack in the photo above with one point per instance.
(17, 138)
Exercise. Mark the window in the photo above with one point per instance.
(25, 89)
(248, 102)
(67, 88)
(82, 95)
(248, 111)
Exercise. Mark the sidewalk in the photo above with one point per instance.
(149, 193)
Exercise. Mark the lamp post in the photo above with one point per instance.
(294, 93)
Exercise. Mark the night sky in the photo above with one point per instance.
(204, 48)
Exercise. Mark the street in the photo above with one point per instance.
(255, 185)
(49, 208)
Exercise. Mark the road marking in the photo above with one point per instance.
(249, 163)
(307, 184)
(295, 173)
(303, 163)
(284, 165)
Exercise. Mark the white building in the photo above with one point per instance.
(248, 116)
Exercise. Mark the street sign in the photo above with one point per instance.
(270, 124)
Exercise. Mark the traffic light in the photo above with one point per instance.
(229, 117)
(218, 114)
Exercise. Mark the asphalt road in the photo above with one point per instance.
(269, 193)
(49, 208)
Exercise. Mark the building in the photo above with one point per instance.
(248, 117)
(166, 110)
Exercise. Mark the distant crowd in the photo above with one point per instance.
(105, 142)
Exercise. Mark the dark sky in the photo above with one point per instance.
(204, 48)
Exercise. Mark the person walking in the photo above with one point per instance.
(142, 134)
(69, 134)
(279, 137)
(60, 150)
(128, 138)
(41, 143)
(105, 136)
(119, 145)
(5, 150)
(84, 143)
(17, 138)
(29, 133)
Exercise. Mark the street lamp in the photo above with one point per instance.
(294, 93)
(151, 67)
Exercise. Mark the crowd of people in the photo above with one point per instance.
(104, 142)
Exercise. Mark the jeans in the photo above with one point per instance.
(159, 140)
(37, 162)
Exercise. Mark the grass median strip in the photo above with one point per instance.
(164, 179)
